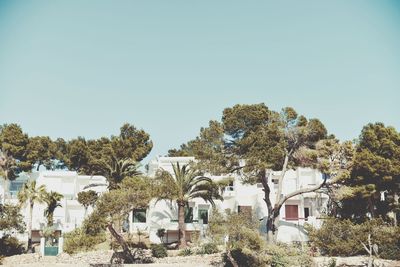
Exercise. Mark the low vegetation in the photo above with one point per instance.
(339, 237)
(159, 251)
(79, 241)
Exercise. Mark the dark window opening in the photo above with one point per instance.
(203, 216)
(306, 213)
(139, 216)
(188, 214)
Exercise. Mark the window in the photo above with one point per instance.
(292, 212)
(230, 187)
(139, 216)
(188, 214)
(203, 216)
(306, 213)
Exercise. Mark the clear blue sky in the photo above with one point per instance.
(70, 68)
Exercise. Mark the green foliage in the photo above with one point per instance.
(257, 135)
(10, 246)
(79, 241)
(332, 262)
(41, 150)
(52, 200)
(13, 150)
(159, 251)
(31, 193)
(339, 237)
(376, 168)
(95, 223)
(216, 227)
(185, 252)
(115, 157)
(10, 219)
(285, 255)
(134, 193)
(208, 248)
(87, 198)
(245, 243)
(187, 183)
(251, 139)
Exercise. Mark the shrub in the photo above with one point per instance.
(283, 255)
(343, 238)
(158, 251)
(10, 246)
(208, 248)
(185, 252)
(332, 262)
(78, 241)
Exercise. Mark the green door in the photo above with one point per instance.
(51, 251)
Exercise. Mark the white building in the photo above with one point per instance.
(296, 211)
(164, 214)
(68, 183)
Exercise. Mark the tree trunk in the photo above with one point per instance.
(30, 227)
(371, 206)
(272, 225)
(122, 242)
(396, 202)
(181, 225)
(50, 220)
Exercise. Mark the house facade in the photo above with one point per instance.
(237, 197)
(68, 183)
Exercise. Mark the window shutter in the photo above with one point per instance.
(292, 212)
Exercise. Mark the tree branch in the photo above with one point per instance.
(302, 191)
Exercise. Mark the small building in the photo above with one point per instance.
(68, 183)
(238, 197)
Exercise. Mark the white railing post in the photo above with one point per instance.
(60, 245)
(42, 245)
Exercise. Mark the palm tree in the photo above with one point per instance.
(29, 194)
(184, 185)
(52, 200)
(115, 171)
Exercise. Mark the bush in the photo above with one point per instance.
(208, 248)
(10, 246)
(332, 262)
(78, 241)
(159, 251)
(343, 238)
(185, 252)
(283, 255)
